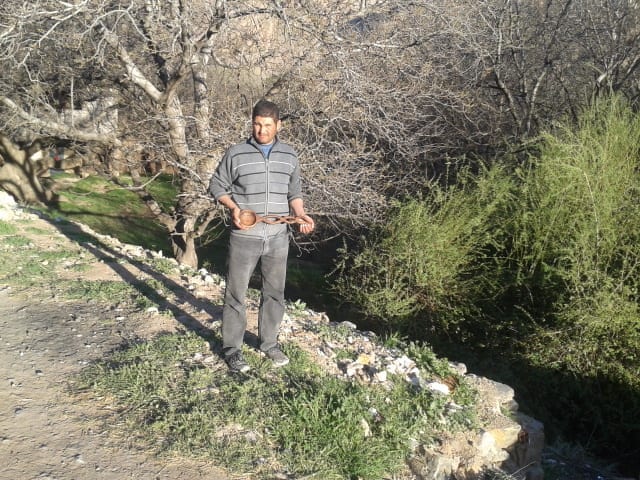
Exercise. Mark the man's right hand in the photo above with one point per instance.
(235, 216)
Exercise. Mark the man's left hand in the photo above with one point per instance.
(308, 225)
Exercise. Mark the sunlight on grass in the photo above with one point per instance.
(116, 211)
(298, 419)
(7, 228)
(141, 294)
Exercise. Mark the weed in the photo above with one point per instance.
(540, 262)
(16, 241)
(100, 290)
(163, 265)
(7, 228)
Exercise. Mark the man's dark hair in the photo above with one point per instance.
(265, 108)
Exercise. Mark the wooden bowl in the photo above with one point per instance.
(248, 218)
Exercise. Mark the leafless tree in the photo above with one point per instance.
(377, 95)
(545, 59)
(155, 57)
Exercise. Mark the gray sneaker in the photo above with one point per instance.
(237, 363)
(278, 358)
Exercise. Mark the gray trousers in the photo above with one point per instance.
(244, 255)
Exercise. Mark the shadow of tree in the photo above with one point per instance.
(185, 301)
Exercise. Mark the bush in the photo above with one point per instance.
(582, 220)
(542, 262)
(439, 259)
(583, 225)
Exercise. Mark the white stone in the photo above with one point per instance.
(438, 387)
(380, 376)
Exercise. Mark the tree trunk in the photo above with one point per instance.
(19, 175)
(183, 243)
(23, 186)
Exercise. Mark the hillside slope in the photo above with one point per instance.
(51, 433)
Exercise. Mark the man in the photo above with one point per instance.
(263, 175)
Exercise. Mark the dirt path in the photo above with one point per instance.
(43, 433)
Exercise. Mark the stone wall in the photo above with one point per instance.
(507, 441)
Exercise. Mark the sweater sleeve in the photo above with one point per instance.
(295, 183)
(220, 183)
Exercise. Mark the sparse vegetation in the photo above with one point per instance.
(297, 420)
(113, 210)
(7, 228)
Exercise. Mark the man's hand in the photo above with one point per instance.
(234, 210)
(308, 225)
(297, 208)
(235, 216)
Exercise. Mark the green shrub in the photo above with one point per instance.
(438, 258)
(542, 264)
(581, 226)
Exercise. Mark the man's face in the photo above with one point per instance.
(265, 129)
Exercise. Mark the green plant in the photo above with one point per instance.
(580, 247)
(99, 290)
(296, 419)
(441, 258)
(13, 241)
(116, 211)
(163, 265)
(7, 228)
(539, 264)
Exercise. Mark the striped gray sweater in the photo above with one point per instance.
(265, 185)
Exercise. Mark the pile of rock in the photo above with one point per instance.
(9, 209)
(507, 440)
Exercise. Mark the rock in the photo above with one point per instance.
(459, 368)
(438, 387)
(349, 325)
(501, 394)
(489, 447)
(526, 452)
(431, 464)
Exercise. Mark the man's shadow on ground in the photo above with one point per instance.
(114, 259)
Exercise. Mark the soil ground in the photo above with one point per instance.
(45, 432)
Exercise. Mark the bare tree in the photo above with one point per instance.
(154, 57)
(377, 95)
(545, 59)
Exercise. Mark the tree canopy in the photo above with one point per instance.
(377, 95)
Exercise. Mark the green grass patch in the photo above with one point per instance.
(99, 290)
(163, 265)
(7, 228)
(30, 267)
(142, 294)
(112, 210)
(296, 420)
(15, 241)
